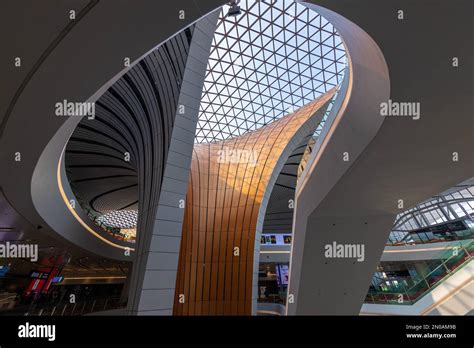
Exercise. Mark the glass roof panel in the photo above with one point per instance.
(273, 58)
(120, 219)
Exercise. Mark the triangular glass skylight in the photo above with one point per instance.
(274, 57)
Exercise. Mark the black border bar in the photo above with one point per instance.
(291, 330)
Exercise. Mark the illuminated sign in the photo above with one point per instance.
(39, 275)
(275, 239)
(57, 279)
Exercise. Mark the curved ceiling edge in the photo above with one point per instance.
(48, 185)
(44, 184)
(303, 132)
(352, 125)
(62, 186)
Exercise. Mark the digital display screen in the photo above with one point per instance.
(282, 274)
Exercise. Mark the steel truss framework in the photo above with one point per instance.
(439, 209)
(272, 59)
(120, 218)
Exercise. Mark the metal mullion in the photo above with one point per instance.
(448, 206)
(247, 79)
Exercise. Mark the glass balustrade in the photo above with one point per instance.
(407, 291)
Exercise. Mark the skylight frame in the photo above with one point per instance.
(295, 56)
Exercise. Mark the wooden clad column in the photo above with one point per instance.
(227, 183)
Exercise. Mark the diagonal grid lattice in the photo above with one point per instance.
(265, 63)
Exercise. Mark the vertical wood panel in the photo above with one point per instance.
(222, 208)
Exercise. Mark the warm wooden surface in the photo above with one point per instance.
(222, 208)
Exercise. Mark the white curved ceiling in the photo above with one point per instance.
(273, 58)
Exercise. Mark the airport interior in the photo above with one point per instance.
(242, 158)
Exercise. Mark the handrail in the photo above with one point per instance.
(115, 232)
(437, 240)
(425, 284)
(66, 308)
